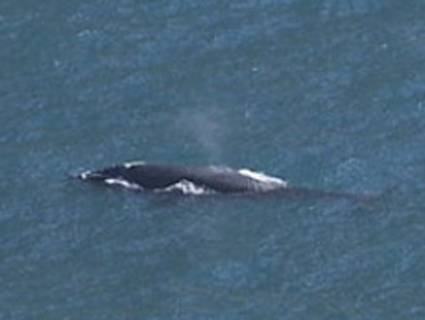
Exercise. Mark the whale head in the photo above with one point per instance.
(115, 172)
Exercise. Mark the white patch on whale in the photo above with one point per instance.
(84, 175)
(130, 164)
(123, 183)
(187, 187)
(261, 177)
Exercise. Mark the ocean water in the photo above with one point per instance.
(327, 94)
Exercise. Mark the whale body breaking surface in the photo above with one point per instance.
(194, 180)
(204, 180)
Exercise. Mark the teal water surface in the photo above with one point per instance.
(327, 94)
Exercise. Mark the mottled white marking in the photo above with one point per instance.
(133, 163)
(85, 175)
(261, 177)
(123, 183)
(187, 187)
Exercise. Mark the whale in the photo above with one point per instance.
(201, 180)
(186, 179)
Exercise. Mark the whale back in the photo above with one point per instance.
(160, 177)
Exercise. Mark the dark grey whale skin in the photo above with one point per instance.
(152, 177)
(160, 176)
